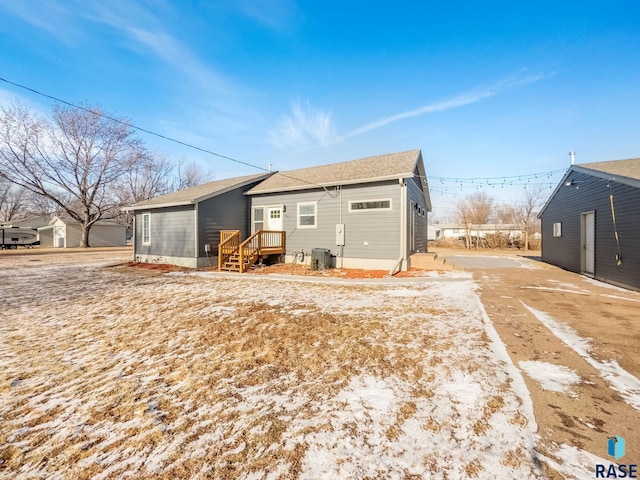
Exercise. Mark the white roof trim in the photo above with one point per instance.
(310, 185)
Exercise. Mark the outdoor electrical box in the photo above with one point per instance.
(340, 234)
(207, 248)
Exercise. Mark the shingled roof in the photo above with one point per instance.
(190, 196)
(626, 172)
(629, 168)
(365, 170)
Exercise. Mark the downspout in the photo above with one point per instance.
(195, 213)
(341, 246)
(134, 237)
(403, 228)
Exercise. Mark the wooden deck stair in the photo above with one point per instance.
(234, 256)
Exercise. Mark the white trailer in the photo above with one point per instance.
(11, 237)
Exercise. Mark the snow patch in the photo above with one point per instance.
(627, 385)
(556, 378)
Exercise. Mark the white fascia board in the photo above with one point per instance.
(133, 208)
(310, 185)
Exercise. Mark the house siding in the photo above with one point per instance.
(108, 236)
(368, 234)
(172, 232)
(229, 211)
(592, 194)
(416, 195)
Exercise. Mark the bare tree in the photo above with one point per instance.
(73, 159)
(146, 177)
(43, 206)
(13, 201)
(526, 215)
(505, 214)
(189, 175)
(465, 216)
(473, 211)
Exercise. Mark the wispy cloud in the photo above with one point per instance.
(50, 17)
(304, 127)
(145, 31)
(139, 25)
(275, 14)
(307, 127)
(463, 99)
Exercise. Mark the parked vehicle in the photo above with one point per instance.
(11, 237)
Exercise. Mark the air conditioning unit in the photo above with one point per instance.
(320, 258)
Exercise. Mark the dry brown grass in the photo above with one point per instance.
(156, 376)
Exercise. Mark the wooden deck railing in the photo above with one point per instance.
(234, 255)
(263, 242)
(229, 244)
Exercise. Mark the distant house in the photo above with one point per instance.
(591, 222)
(512, 231)
(366, 213)
(64, 232)
(434, 232)
(34, 221)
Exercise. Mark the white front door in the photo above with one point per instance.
(589, 231)
(274, 218)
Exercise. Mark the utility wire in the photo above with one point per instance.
(135, 127)
(159, 135)
(479, 181)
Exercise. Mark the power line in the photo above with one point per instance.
(476, 182)
(130, 125)
(159, 135)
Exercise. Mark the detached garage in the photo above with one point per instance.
(64, 232)
(591, 222)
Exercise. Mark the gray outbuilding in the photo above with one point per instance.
(591, 222)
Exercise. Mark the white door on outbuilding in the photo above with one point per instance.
(588, 234)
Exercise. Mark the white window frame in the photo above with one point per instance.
(363, 210)
(146, 229)
(315, 214)
(253, 217)
(557, 229)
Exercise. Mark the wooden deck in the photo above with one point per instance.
(237, 256)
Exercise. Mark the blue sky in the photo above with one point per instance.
(485, 89)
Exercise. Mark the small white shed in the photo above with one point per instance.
(64, 232)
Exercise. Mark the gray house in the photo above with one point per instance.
(367, 213)
(591, 222)
(175, 228)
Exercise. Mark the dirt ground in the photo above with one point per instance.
(607, 315)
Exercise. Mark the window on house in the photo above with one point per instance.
(146, 229)
(557, 229)
(257, 219)
(307, 217)
(365, 205)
